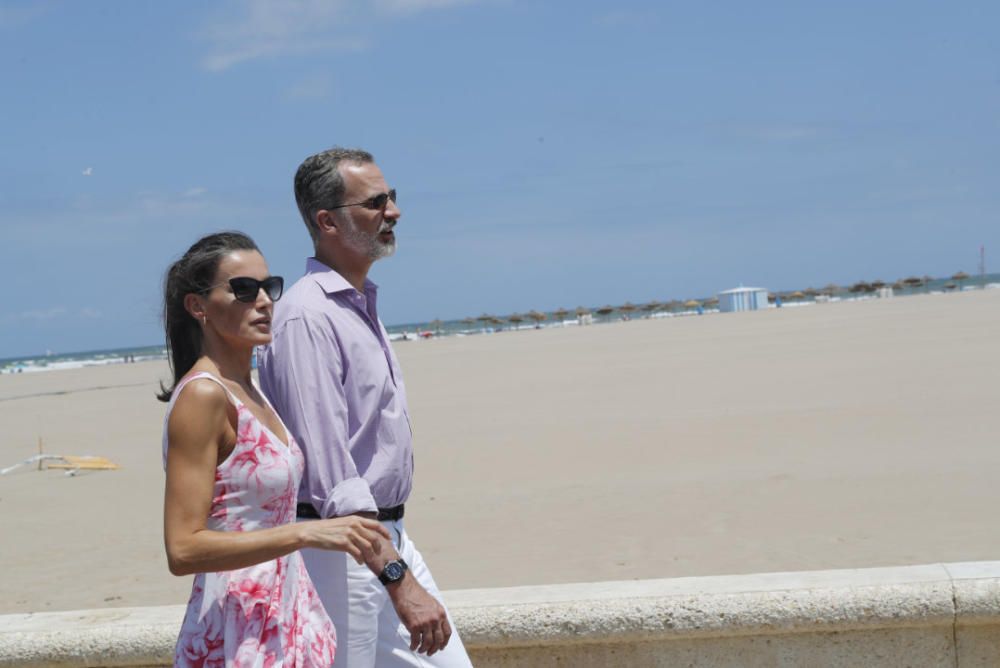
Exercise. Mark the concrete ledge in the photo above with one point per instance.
(935, 615)
(103, 637)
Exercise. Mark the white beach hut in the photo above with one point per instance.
(742, 299)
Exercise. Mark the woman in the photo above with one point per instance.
(233, 472)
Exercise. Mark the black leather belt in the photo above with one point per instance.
(306, 511)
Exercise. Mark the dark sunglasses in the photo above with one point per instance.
(245, 289)
(376, 203)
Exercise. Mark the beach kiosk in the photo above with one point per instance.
(742, 299)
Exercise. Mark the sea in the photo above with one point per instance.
(485, 324)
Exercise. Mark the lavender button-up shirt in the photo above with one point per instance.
(331, 375)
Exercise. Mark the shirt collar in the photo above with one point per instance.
(331, 281)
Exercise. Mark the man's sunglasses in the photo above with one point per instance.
(246, 289)
(376, 203)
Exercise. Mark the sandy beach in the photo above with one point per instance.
(838, 435)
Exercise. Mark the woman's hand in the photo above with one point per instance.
(355, 535)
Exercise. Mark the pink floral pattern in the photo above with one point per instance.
(266, 615)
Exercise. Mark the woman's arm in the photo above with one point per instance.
(199, 426)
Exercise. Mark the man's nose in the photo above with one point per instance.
(392, 211)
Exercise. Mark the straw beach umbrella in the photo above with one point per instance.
(605, 312)
(537, 316)
(912, 283)
(860, 286)
(515, 318)
(560, 314)
(692, 303)
(651, 306)
(627, 309)
(960, 277)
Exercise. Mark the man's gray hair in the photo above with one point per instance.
(319, 185)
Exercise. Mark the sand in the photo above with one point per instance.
(833, 436)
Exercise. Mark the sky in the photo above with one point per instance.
(546, 154)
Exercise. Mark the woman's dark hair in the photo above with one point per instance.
(193, 273)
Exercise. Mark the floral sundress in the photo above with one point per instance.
(264, 615)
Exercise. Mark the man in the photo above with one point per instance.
(335, 381)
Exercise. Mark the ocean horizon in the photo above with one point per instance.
(484, 324)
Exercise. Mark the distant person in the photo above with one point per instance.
(233, 471)
(335, 380)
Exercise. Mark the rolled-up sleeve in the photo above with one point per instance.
(301, 372)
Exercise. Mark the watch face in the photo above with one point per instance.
(393, 571)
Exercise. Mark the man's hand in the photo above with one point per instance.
(421, 614)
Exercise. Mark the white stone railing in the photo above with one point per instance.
(919, 616)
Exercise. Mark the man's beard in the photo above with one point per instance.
(369, 244)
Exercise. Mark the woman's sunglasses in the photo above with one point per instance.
(246, 289)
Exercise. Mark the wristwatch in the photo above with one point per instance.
(393, 571)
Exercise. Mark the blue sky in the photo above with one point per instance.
(546, 154)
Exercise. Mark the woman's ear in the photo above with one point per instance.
(195, 305)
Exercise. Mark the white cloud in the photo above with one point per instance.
(37, 315)
(13, 14)
(315, 87)
(88, 172)
(788, 132)
(268, 28)
(154, 204)
(414, 6)
(775, 132)
(88, 221)
(624, 18)
(255, 29)
(52, 313)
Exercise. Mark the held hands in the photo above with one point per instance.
(421, 614)
(358, 536)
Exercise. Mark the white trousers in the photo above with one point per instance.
(369, 632)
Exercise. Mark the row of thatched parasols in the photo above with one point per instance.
(628, 309)
(909, 283)
(863, 287)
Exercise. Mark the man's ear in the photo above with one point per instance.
(195, 305)
(326, 220)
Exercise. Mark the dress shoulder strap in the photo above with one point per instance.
(196, 376)
(177, 392)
